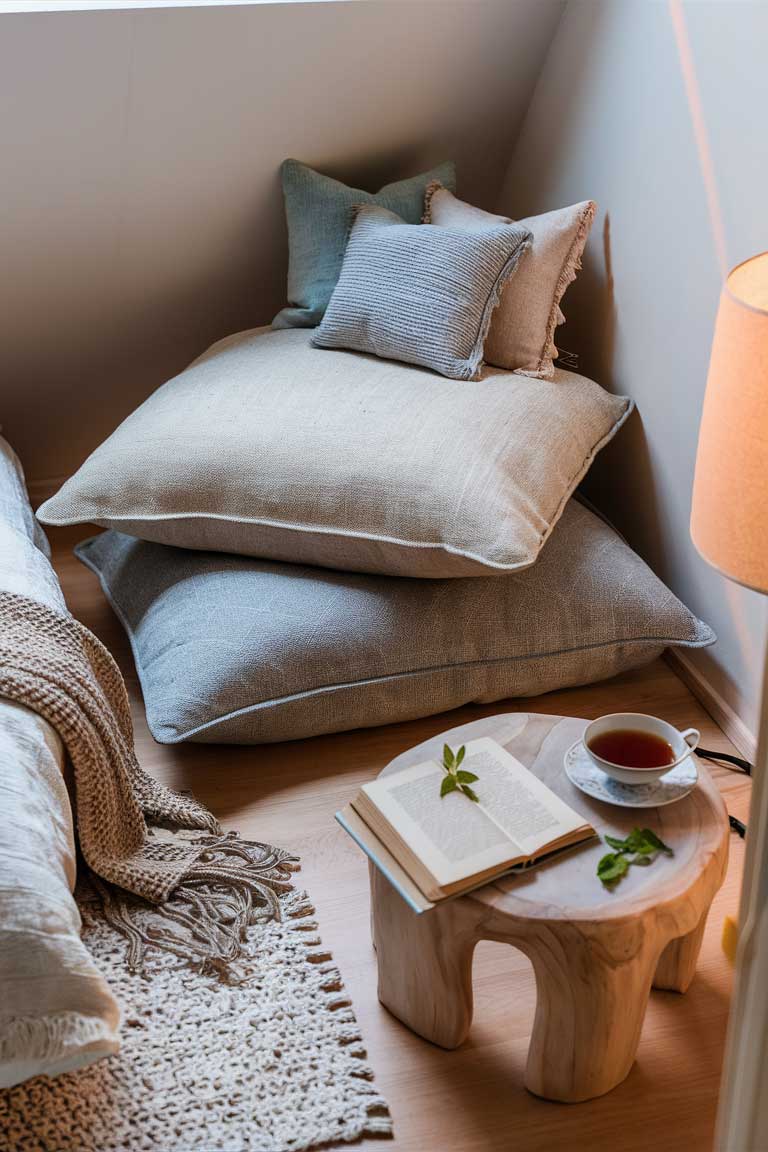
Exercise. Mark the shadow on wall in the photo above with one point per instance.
(142, 215)
(169, 313)
(611, 484)
(541, 166)
(614, 118)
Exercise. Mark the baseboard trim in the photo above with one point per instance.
(719, 709)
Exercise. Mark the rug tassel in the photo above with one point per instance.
(232, 885)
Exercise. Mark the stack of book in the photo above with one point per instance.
(435, 841)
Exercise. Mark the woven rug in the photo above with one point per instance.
(273, 1063)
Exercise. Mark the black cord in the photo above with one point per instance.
(742, 765)
(738, 826)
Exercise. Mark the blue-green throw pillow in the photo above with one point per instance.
(318, 210)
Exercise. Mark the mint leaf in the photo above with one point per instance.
(641, 847)
(456, 779)
(645, 841)
(658, 845)
(611, 868)
(635, 842)
(606, 864)
(448, 785)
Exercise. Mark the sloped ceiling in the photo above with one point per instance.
(141, 215)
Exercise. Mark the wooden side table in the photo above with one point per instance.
(596, 954)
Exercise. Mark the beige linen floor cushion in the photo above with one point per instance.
(235, 650)
(269, 447)
(56, 1011)
(522, 332)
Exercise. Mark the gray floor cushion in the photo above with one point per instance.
(238, 650)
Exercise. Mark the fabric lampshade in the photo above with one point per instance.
(729, 518)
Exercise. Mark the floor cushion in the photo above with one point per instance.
(269, 447)
(248, 651)
(56, 1011)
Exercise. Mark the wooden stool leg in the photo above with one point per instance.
(677, 963)
(591, 1002)
(425, 964)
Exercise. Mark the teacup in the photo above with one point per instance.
(680, 743)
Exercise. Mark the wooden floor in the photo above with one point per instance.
(473, 1099)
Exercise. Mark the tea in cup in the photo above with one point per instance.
(635, 748)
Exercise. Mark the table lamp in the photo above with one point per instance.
(729, 526)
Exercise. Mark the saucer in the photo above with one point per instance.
(582, 772)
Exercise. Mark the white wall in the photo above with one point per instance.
(610, 119)
(140, 210)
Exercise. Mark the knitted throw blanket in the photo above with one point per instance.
(137, 837)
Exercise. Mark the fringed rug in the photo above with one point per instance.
(273, 1063)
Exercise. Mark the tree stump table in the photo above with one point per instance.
(596, 954)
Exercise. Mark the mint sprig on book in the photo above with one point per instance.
(457, 778)
(641, 847)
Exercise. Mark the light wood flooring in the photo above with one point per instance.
(472, 1099)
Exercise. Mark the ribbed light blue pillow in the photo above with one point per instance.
(318, 211)
(418, 293)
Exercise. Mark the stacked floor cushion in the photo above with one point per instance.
(305, 540)
(269, 447)
(239, 650)
(56, 1011)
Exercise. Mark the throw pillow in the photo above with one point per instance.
(318, 213)
(417, 293)
(522, 332)
(269, 447)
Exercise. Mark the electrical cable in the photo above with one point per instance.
(727, 759)
(734, 764)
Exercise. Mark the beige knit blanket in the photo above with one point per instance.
(138, 838)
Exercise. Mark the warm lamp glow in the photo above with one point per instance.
(729, 518)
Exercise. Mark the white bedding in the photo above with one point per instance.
(56, 1011)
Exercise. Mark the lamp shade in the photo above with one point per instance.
(729, 517)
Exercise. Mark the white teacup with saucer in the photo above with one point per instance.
(634, 760)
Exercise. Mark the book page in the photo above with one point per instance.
(452, 836)
(458, 830)
(516, 815)
(530, 812)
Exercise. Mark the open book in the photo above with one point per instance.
(451, 844)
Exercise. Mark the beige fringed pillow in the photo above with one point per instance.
(522, 332)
